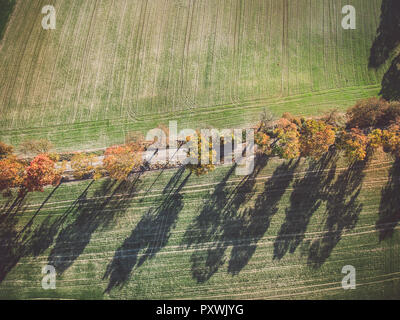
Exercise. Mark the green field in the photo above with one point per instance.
(115, 66)
(285, 232)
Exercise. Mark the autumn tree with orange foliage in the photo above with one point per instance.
(315, 138)
(120, 161)
(40, 173)
(287, 138)
(12, 174)
(354, 143)
(200, 162)
(262, 140)
(83, 165)
(390, 140)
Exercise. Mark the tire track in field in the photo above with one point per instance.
(99, 65)
(11, 84)
(338, 287)
(185, 48)
(60, 52)
(10, 22)
(86, 55)
(111, 83)
(73, 62)
(373, 166)
(5, 83)
(28, 73)
(285, 50)
(128, 64)
(37, 92)
(140, 58)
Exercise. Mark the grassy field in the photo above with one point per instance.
(115, 66)
(284, 232)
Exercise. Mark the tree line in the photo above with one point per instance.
(371, 125)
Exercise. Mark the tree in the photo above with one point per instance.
(375, 139)
(263, 140)
(286, 135)
(12, 174)
(266, 119)
(315, 138)
(334, 118)
(373, 113)
(200, 163)
(5, 150)
(34, 147)
(135, 140)
(41, 172)
(83, 165)
(354, 144)
(391, 140)
(120, 161)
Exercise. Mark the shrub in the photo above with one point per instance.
(120, 161)
(287, 143)
(354, 144)
(12, 174)
(200, 163)
(315, 138)
(366, 113)
(373, 112)
(35, 147)
(5, 150)
(82, 165)
(41, 172)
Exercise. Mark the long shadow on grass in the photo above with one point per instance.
(150, 235)
(6, 8)
(389, 209)
(207, 228)
(15, 242)
(307, 196)
(107, 202)
(221, 222)
(386, 41)
(255, 221)
(388, 33)
(10, 244)
(342, 211)
(391, 81)
(44, 235)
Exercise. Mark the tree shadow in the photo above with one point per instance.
(220, 225)
(6, 9)
(389, 209)
(43, 236)
(10, 246)
(307, 196)
(391, 81)
(255, 221)
(388, 34)
(207, 227)
(386, 41)
(107, 202)
(12, 240)
(342, 211)
(150, 235)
